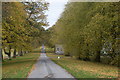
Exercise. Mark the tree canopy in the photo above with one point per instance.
(22, 25)
(88, 31)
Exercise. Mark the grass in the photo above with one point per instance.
(85, 69)
(19, 67)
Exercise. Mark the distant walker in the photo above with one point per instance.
(43, 49)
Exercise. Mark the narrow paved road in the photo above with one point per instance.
(45, 68)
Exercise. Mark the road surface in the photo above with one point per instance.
(45, 68)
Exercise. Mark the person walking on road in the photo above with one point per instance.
(43, 49)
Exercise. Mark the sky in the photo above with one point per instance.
(55, 8)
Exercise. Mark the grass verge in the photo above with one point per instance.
(19, 67)
(85, 69)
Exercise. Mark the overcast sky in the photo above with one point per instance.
(56, 7)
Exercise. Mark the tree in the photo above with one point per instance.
(36, 13)
(18, 32)
(85, 28)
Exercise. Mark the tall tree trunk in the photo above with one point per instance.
(21, 53)
(1, 55)
(8, 53)
(14, 54)
(18, 52)
(86, 54)
(54, 49)
(97, 58)
(26, 52)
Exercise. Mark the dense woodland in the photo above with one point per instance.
(22, 29)
(89, 31)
